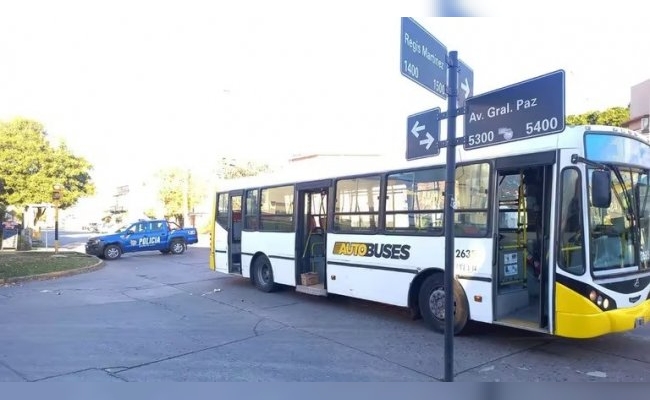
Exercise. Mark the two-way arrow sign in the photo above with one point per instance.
(423, 130)
(417, 128)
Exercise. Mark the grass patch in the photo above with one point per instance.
(28, 263)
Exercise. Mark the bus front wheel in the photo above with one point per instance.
(263, 274)
(431, 300)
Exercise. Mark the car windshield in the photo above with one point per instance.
(173, 226)
(121, 228)
(619, 233)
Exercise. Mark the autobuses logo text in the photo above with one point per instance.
(379, 250)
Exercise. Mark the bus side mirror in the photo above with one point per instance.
(601, 194)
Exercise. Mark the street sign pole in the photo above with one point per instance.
(425, 61)
(452, 92)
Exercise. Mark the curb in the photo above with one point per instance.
(57, 274)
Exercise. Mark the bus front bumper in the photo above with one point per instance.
(578, 317)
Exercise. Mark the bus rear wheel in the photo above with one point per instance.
(263, 274)
(431, 300)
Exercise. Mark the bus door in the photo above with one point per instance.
(234, 232)
(220, 233)
(311, 236)
(522, 230)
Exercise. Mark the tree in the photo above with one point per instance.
(614, 116)
(231, 170)
(150, 213)
(179, 193)
(31, 166)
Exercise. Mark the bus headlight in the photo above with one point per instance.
(602, 301)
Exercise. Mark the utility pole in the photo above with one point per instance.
(186, 197)
(56, 198)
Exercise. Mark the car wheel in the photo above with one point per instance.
(177, 247)
(112, 252)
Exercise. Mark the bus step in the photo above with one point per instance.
(521, 324)
(316, 290)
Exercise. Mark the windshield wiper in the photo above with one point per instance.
(630, 211)
(631, 207)
(626, 192)
(645, 196)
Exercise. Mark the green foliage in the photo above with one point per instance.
(31, 166)
(614, 116)
(150, 213)
(228, 170)
(179, 193)
(28, 263)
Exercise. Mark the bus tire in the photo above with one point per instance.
(431, 300)
(263, 274)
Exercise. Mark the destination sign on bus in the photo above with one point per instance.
(520, 111)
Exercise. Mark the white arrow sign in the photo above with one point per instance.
(465, 87)
(428, 141)
(423, 133)
(417, 128)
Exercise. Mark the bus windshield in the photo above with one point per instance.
(619, 233)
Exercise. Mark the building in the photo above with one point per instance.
(640, 108)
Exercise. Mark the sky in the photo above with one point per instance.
(136, 86)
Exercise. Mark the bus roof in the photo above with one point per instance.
(571, 137)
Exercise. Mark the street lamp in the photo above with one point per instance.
(56, 197)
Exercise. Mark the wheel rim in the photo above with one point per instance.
(437, 303)
(112, 252)
(264, 273)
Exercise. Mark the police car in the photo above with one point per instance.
(151, 235)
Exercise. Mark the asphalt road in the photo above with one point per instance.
(153, 317)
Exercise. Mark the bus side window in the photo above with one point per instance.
(571, 255)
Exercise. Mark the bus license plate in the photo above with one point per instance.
(639, 322)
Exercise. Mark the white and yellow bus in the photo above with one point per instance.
(552, 233)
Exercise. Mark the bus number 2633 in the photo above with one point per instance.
(464, 253)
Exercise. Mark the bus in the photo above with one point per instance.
(551, 233)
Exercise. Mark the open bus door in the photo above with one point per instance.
(235, 225)
(522, 232)
(220, 233)
(311, 237)
(227, 233)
